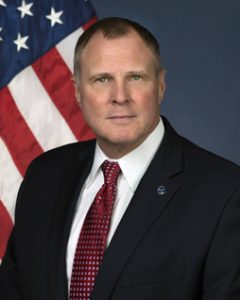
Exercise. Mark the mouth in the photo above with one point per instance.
(121, 118)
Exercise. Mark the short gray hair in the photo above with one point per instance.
(112, 28)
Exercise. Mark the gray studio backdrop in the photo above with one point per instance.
(200, 45)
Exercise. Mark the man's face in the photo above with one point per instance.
(119, 91)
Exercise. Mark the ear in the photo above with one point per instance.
(162, 85)
(77, 93)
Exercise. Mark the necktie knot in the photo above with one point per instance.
(111, 171)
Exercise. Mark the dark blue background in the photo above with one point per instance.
(200, 45)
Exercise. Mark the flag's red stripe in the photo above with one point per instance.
(6, 226)
(16, 134)
(89, 23)
(57, 80)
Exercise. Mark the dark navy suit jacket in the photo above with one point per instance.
(177, 242)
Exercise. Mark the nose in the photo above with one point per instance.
(120, 93)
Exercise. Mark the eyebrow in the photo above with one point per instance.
(140, 72)
(107, 74)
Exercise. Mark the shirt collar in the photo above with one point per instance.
(133, 164)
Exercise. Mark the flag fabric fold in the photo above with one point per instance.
(38, 109)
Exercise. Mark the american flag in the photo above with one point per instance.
(38, 109)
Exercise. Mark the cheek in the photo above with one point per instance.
(94, 113)
(148, 101)
(89, 102)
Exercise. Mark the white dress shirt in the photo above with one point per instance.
(133, 166)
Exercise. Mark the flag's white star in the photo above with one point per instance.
(54, 17)
(2, 3)
(25, 9)
(1, 37)
(21, 42)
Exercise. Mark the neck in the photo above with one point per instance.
(118, 150)
(115, 151)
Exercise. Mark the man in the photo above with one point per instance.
(173, 232)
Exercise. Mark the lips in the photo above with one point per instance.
(121, 118)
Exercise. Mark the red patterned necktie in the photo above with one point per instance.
(93, 237)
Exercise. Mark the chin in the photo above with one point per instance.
(123, 139)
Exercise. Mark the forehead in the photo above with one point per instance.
(126, 44)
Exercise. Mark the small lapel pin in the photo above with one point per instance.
(161, 190)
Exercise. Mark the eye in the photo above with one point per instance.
(102, 79)
(135, 77)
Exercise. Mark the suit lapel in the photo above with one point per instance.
(73, 178)
(152, 196)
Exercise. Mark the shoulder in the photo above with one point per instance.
(63, 155)
(199, 162)
(197, 155)
(208, 166)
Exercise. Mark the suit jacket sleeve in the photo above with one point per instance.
(10, 286)
(221, 280)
